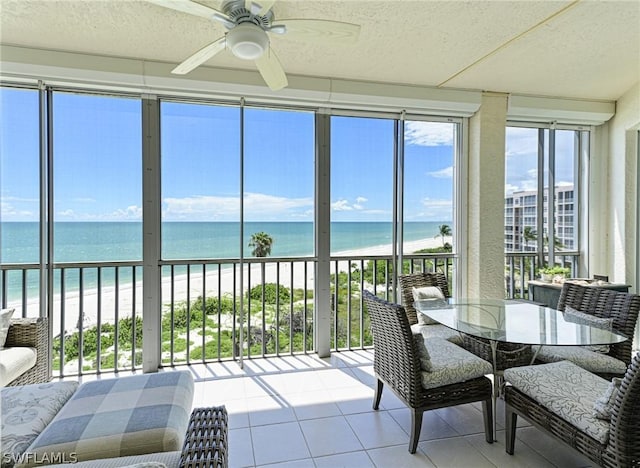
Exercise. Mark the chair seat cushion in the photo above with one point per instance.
(437, 331)
(15, 361)
(567, 390)
(451, 364)
(119, 417)
(26, 411)
(585, 358)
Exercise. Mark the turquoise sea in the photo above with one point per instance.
(122, 241)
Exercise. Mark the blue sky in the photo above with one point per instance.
(98, 168)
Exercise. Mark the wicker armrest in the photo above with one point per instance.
(206, 439)
(34, 333)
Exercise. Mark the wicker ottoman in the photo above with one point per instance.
(118, 417)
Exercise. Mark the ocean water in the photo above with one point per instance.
(122, 241)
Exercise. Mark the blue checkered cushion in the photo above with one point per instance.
(119, 417)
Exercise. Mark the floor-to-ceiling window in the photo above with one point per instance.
(542, 194)
(392, 196)
(97, 212)
(428, 191)
(362, 217)
(20, 198)
(250, 249)
(236, 232)
(200, 187)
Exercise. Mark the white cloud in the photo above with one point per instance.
(446, 173)
(11, 213)
(428, 133)
(346, 205)
(341, 205)
(132, 212)
(218, 208)
(66, 214)
(433, 209)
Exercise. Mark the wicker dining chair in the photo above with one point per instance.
(622, 307)
(507, 354)
(396, 364)
(419, 280)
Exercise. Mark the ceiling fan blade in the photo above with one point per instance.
(260, 8)
(266, 6)
(271, 70)
(200, 57)
(324, 31)
(187, 6)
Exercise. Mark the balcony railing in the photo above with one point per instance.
(96, 308)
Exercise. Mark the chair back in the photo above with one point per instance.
(395, 359)
(420, 280)
(605, 303)
(624, 436)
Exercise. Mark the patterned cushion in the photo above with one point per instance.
(423, 354)
(26, 411)
(587, 359)
(117, 417)
(566, 390)
(575, 316)
(437, 331)
(427, 292)
(168, 459)
(604, 405)
(451, 364)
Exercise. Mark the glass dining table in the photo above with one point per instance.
(516, 322)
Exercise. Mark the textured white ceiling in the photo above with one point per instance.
(579, 49)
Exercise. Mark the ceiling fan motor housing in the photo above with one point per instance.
(248, 39)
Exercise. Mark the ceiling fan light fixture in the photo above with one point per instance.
(247, 41)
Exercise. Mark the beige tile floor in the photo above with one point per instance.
(303, 411)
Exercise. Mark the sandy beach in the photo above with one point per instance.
(190, 288)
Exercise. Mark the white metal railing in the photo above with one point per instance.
(97, 306)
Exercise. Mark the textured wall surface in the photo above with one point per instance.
(485, 252)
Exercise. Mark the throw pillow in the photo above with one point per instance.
(604, 405)
(423, 354)
(5, 321)
(575, 316)
(427, 293)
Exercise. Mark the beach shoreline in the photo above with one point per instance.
(104, 307)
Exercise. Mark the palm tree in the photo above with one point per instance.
(528, 235)
(261, 243)
(444, 231)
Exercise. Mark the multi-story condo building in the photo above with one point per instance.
(521, 219)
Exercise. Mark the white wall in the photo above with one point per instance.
(623, 193)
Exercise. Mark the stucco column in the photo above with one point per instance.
(485, 215)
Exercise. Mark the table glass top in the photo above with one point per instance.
(513, 322)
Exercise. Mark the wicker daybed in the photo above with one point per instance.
(561, 404)
(31, 333)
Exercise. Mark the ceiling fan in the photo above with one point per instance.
(249, 25)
